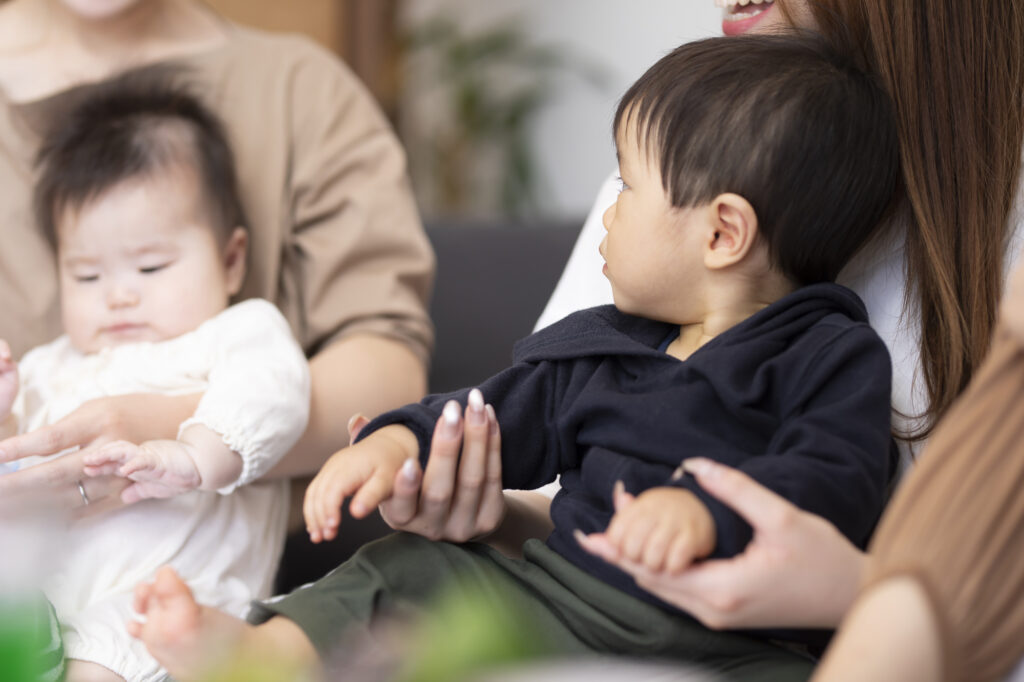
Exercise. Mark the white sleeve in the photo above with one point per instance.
(257, 397)
(582, 284)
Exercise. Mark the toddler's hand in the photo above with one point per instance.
(664, 529)
(8, 380)
(159, 468)
(365, 470)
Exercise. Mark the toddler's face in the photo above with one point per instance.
(652, 250)
(141, 262)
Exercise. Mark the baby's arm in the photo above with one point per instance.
(8, 391)
(365, 470)
(198, 460)
(663, 528)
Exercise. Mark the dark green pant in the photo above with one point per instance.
(568, 609)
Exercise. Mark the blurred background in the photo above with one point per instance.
(504, 106)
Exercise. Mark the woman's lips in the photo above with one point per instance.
(739, 16)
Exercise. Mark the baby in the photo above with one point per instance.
(137, 190)
(753, 169)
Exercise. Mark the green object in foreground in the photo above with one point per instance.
(466, 633)
(30, 645)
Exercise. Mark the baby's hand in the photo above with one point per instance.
(159, 468)
(8, 380)
(662, 528)
(365, 470)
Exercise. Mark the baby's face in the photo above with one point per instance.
(141, 262)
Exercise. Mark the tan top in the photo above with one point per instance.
(957, 524)
(335, 239)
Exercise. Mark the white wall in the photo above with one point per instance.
(572, 137)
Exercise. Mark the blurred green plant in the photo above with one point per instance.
(493, 83)
(30, 645)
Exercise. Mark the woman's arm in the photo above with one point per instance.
(360, 373)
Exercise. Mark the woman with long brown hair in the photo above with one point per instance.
(932, 284)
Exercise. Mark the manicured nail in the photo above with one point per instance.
(619, 490)
(678, 473)
(491, 416)
(451, 412)
(409, 470)
(476, 416)
(699, 466)
(580, 536)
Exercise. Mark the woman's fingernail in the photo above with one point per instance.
(409, 470)
(476, 416)
(580, 536)
(491, 416)
(698, 466)
(620, 489)
(678, 473)
(451, 420)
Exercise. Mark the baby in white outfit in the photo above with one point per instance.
(137, 189)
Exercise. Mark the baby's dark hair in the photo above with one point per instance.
(135, 125)
(783, 121)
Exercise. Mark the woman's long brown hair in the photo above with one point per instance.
(955, 70)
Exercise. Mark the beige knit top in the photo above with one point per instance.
(335, 238)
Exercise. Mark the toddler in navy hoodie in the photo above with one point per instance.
(752, 170)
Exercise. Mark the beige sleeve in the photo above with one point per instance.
(957, 523)
(358, 257)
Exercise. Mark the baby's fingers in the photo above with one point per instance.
(138, 467)
(106, 460)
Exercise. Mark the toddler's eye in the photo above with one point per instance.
(87, 278)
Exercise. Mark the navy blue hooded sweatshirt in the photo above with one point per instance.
(797, 396)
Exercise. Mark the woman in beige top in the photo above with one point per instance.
(336, 241)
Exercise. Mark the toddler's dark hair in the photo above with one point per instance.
(783, 121)
(135, 125)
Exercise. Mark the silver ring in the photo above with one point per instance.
(81, 491)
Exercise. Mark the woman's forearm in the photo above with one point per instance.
(360, 374)
(527, 515)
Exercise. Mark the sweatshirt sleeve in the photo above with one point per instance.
(257, 400)
(832, 454)
(525, 398)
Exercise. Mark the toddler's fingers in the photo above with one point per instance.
(635, 540)
(680, 554)
(108, 469)
(371, 493)
(308, 513)
(656, 548)
(620, 498)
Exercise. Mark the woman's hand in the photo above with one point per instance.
(797, 571)
(458, 498)
(134, 418)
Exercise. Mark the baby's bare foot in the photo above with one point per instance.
(191, 640)
(188, 639)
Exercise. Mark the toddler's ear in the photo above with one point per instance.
(733, 233)
(234, 259)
